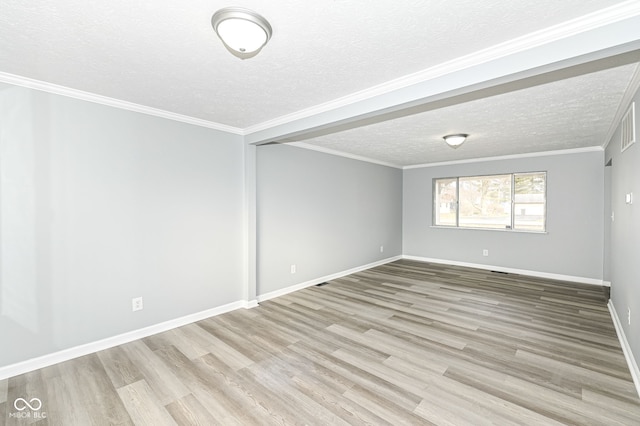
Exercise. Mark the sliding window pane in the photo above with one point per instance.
(485, 202)
(445, 202)
(530, 201)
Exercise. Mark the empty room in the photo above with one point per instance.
(334, 212)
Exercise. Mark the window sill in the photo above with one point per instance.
(516, 231)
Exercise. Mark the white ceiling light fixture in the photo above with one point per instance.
(455, 141)
(242, 31)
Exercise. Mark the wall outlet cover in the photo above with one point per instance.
(136, 304)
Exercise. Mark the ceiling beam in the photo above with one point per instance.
(593, 44)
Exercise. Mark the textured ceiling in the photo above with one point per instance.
(163, 54)
(572, 113)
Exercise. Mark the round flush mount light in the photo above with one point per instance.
(455, 141)
(242, 31)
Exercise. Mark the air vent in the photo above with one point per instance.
(629, 127)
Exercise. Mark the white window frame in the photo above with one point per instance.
(510, 227)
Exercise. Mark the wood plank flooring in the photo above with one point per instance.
(403, 343)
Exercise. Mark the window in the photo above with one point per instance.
(510, 201)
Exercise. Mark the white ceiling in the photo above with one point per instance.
(164, 55)
(569, 114)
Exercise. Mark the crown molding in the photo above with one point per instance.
(509, 157)
(589, 22)
(445, 163)
(343, 154)
(55, 89)
(592, 21)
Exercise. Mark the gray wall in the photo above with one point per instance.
(625, 233)
(323, 213)
(99, 205)
(572, 246)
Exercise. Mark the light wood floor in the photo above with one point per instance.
(403, 343)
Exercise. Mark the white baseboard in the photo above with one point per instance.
(315, 281)
(78, 351)
(248, 304)
(581, 280)
(81, 350)
(626, 349)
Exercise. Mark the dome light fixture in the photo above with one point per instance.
(242, 31)
(454, 141)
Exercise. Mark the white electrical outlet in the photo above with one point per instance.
(136, 304)
(485, 252)
(381, 249)
(293, 269)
